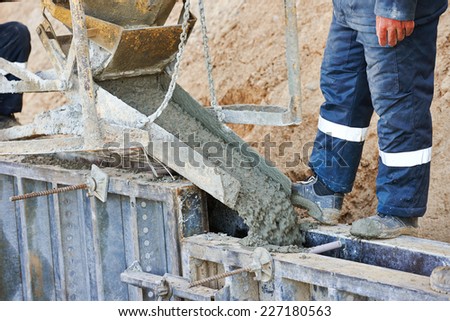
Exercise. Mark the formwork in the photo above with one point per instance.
(73, 247)
(150, 240)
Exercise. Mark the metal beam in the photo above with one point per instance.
(92, 134)
(276, 115)
(257, 115)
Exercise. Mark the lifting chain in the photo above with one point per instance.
(176, 68)
(209, 67)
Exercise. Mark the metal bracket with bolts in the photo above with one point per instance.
(262, 266)
(96, 183)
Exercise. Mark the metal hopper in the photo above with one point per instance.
(130, 38)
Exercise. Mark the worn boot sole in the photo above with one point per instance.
(437, 282)
(367, 232)
(325, 216)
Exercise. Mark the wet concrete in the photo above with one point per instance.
(263, 203)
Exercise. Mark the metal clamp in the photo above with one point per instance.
(262, 266)
(97, 185)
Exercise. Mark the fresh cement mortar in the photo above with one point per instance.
(262, 203)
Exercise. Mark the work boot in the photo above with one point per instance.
(384, 227)
(322, 203)
(8, 121)
(440, 279)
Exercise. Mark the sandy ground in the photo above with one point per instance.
(247, 45)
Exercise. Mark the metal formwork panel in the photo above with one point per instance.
(151, 239)
(111, 246)
(75, 281)
(10, 274)
(152, 243)
(72, 247)
(36, 246)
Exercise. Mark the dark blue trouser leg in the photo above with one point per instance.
(15, 46)
(346, 113)
(402, 81)
(401, 90)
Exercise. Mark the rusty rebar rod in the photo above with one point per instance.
(48, 192)
(220, 276)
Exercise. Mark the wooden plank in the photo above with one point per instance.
(10, 87)
(41, 146)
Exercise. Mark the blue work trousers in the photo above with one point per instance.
(359, 76)
(15, 46)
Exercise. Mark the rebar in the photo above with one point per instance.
(48, 192)
(220, 276)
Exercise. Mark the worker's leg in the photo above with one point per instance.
(343, 122)
(401, 81)
(402, 84)
(15, 47)
(346, 113)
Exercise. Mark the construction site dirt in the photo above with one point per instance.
(247, 47)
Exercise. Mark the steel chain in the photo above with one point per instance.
(209, 67)
(176, 69)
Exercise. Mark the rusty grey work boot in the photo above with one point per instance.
(322, 204)
(384, 227)
(440, 279)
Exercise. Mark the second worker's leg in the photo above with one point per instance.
(15, 47)
(343, 122)
(401, 81)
